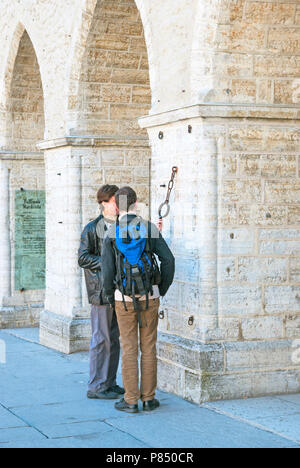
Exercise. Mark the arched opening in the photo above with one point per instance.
(23, 187)
(114, 92)
(26, 103)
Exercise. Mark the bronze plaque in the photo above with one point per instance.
(30, 239)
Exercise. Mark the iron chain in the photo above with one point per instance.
(167, 201)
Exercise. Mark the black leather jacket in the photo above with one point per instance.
(89, 258)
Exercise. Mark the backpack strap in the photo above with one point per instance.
(120, 285)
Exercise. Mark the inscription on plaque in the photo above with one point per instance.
(30, 239)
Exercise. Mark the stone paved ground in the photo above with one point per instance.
(43, 404)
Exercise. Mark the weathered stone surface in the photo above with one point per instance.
(266, 270)
(262, 328)
(270, 13)
(280, 299)
(292, 324)
(262, 215)
(235, 242)
(252, 369)
(190, 354)
(258, 355)
(239, 300)
(250, 384)
(65, 334)
(295, 270)
(20, 317)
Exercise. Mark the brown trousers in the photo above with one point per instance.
(129, 330)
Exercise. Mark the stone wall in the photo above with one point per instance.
(23, 168)
(113, 92)
(224, 79)
(259, 221)
(246, 51)
(237, 256)
(114, 82)
(25, 113)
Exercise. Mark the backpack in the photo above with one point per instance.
(137, 267)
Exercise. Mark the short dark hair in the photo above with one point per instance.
(105, 193)
(125, 198)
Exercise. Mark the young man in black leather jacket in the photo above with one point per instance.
(105, 343)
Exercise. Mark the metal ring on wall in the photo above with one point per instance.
(160, 210)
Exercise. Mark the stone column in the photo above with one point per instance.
(75, 168)
(191, 305)
(234, 231)
(5, 261)
(64, 322)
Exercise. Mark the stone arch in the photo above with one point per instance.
(24, 96)
(114, 77)
(22, 178)
(110, 91)
(80, 44)
(7, 78)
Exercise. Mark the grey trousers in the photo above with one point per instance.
(104, 349)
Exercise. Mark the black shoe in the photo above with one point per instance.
(117, 389)
(151, 405)
(122, 405)
(106, 395)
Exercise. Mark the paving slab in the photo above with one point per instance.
(256, 409)
(288, 425)
(291, 398)
(59, 431)
(43, 404)
(8, 420)
(22, 434)
(280, 414)
(112, 439)
(197, 428)
(16, 345)
(27, 334)
(69, 412)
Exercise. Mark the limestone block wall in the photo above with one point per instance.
(114, 82)
(24, 169)
(19, 308)
(50, 26)
(117, 165)
(235, 234)
(25, 113)
(259, 195)
(191, 228)
(113, 92)
(246, 51)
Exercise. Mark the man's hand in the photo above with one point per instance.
(159, 225)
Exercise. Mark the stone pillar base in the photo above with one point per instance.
(65, 334)
(210, 372)
(20, 316)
